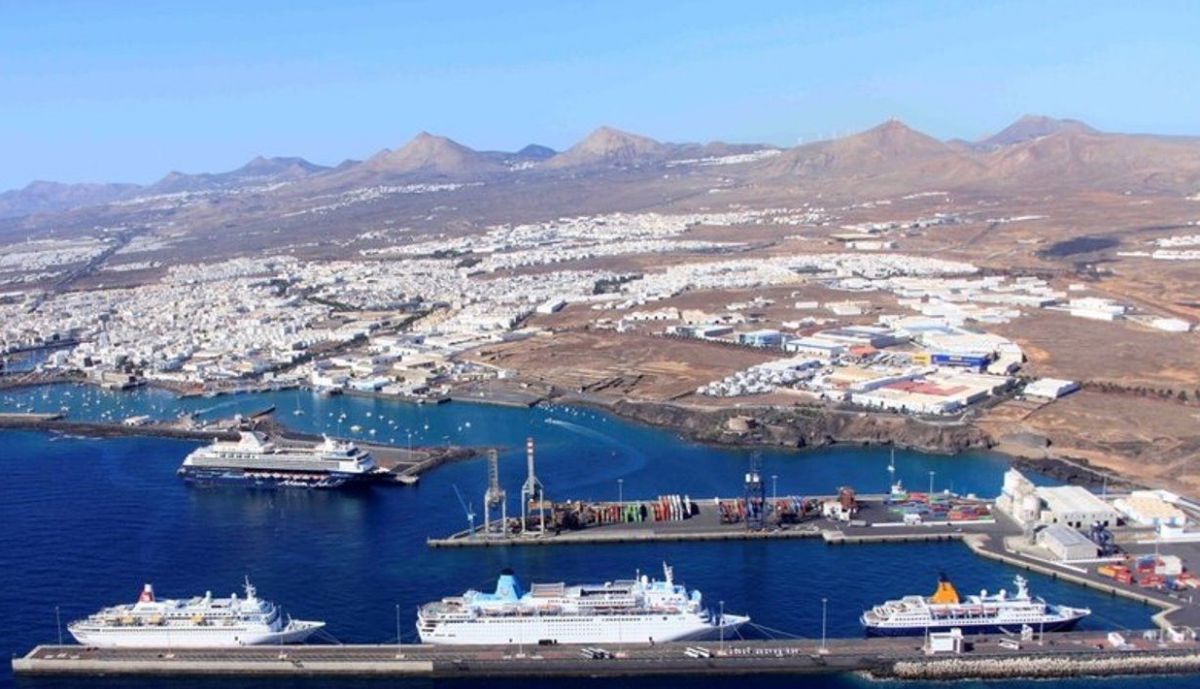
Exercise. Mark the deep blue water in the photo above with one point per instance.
(84, 522)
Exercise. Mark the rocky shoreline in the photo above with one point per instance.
(798, 427)
(793, 427)
(811, 427)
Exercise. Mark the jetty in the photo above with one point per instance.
(982, 657)
(398, 464)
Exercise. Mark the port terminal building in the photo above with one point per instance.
(1071, 506)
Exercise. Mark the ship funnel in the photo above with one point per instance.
(147, 594)
(945, 593)
(507, 586)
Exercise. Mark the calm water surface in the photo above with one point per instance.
(84, 522)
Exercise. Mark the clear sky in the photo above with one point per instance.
(126, 91)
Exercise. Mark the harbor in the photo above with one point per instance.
(985, 657)
(594, 464)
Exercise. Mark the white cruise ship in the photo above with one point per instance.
(982, 614)
(256, 460)
(199, 622)
(639, 610)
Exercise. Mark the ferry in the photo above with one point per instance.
(976, 614)
(198, 622)
(639, 610)
(254, 459)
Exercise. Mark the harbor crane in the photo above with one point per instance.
(467, 509)
(494, 497)
(755, 495)
(532, 491)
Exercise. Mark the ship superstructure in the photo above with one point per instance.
(253, 458)
(1001, 612)
(639, 610)
(198, 622)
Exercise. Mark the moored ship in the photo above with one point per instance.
(254, 459)
(976, 614)
(198, 622)
(639, 610)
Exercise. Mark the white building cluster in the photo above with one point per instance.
(761, 379)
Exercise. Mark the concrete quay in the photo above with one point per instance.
(876, 525)
(400, 465)
(890, 657)
(985, 538)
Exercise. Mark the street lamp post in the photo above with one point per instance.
(399, 650)
(721, 626)
(620, 491)
(931, 475)
(824, 618)
(774, 487)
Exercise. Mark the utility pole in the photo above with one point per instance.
(399, 643)
(721, 626)
(824, 619)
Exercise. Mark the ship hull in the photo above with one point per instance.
(266, 479)
(572, 629)
(192, 637)
(974, 628)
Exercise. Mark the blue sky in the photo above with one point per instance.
(124, 91)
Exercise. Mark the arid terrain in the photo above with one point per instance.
(1088, 212)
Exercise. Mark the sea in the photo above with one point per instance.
(84, 522)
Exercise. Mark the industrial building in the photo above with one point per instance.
(976, 362)
(815, 346)
(1050, 388)
(1071, 506)
(1096, 309)
(761, 338)
(703, 331)
(1065, 543)
(1151, 508)
(926, 393)
(1074, 506)
(871, 335)
(1018, 499)
(551, 306)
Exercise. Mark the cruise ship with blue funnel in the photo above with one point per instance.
(639, 610)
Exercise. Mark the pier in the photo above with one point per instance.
(905, 658)
(400, 465)
(873, 523)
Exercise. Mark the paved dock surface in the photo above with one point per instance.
(878, 656)
(706, 525)
(986, 538)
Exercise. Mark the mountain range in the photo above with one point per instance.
(1034, 151)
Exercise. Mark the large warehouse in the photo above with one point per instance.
(1075, 507)
(1065, 543)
